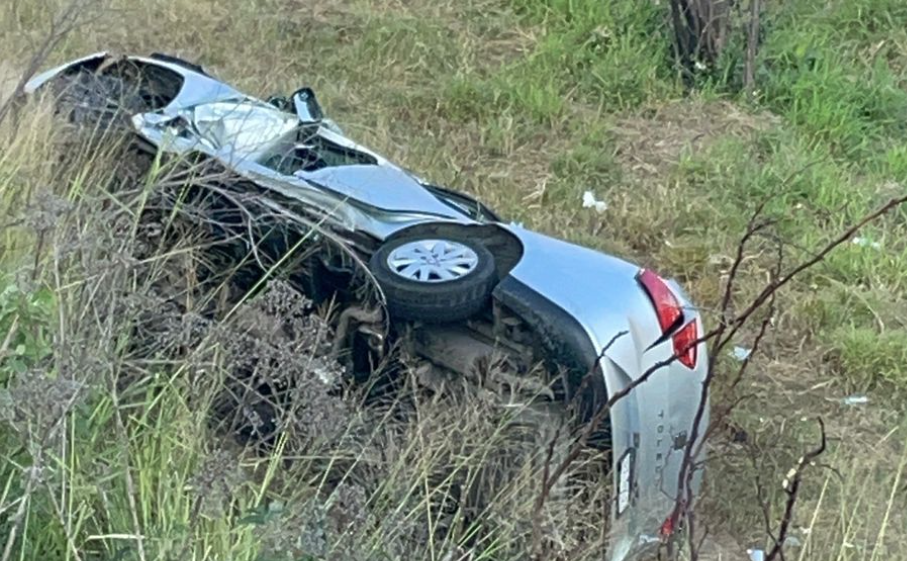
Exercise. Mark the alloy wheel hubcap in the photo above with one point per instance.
(432, 260)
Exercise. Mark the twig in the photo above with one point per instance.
(60, 26)
(760, 496)
(725, 333)
(842, 238)
(792, 488)
(549, 479)
(753, 228)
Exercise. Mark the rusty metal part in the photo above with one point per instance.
(508, 369)
(454, 348)
(366, 321)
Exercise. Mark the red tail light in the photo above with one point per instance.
(670, 317)
(685, 344)
(667, 527)
(666, 305)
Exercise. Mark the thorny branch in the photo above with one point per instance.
(549, 478)
(75, 14)
(724, 334)
(792, 488)
(728, 327)
(761, 496)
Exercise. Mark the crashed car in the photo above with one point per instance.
(464, 283)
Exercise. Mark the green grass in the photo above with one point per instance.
(879, 356)
(527, 104)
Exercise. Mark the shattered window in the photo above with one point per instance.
(313, 153)
(274, 138)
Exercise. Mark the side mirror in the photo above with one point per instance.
(307, 108)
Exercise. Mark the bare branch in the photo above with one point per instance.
(792, 488)
(75, 14)
(724, 334)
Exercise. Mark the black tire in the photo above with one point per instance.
(435, 302)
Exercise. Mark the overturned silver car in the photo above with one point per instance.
(452, 274)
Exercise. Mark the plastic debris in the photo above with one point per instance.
(756, 554)
(866, 242)
(792, 541)
(855, 400)
(741, 353)
(589, 201)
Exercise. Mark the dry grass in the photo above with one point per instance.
(125, 382)
(652, 142)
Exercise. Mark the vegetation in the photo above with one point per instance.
(527, 104)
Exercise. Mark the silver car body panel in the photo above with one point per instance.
(651, 422)
(599, 291)
(42, 78)
(383, 187)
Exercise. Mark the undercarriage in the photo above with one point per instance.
(492, 343)
(254, 237)
(502, 349)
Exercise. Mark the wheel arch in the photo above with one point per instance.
(566, 346)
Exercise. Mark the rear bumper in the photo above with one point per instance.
(653, 424)
(593, 298)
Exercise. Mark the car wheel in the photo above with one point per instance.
(434, 279)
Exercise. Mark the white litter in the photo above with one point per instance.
(741, 353)
(756, 554)
(866, 242)
(855, 400)
(792, 541)
(589, 201)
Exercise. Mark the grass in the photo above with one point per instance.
(527, 104)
